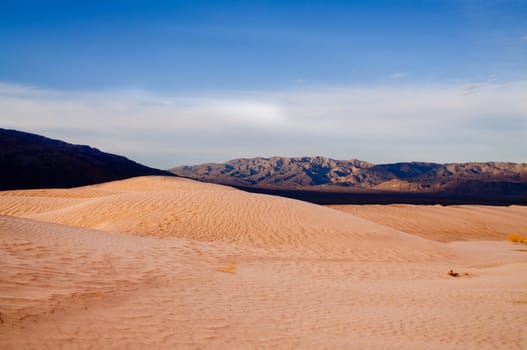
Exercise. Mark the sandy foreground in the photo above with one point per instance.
(160, 262)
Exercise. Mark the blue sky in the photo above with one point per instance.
(265, 71)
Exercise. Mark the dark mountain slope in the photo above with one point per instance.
(33, 161)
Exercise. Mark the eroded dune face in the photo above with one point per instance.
(185, 209)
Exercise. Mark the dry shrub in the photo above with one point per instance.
(228, 269)
(458, 274)
(517, 238)
(453, 274)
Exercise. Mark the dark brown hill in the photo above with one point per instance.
(33, 161)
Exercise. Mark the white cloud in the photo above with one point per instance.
(384, 123)
(246, 112)
(524, 38)
(398, 75)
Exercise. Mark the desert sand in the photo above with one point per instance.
(160, 262)
(446, 223)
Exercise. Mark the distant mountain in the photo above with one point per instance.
(275, 172)
(325, 174)
(33, 161)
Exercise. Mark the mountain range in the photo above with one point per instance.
(326, 174)
(33, 161)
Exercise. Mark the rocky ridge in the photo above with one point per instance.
(326, 173)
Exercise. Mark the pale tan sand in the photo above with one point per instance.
(70, 287)
(446, 223)
(186, 209)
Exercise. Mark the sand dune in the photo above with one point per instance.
(446, 224)
(185, 209)
(241, 271)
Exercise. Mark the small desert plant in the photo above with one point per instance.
(453, 274)
(517, 238)
(457, 274)
(228, 269)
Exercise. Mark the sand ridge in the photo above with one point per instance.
(186, 209)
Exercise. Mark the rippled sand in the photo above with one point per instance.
(160, 262)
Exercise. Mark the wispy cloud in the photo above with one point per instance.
(398, 75)
(524, 38)
(482, 121)
(470, 88)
